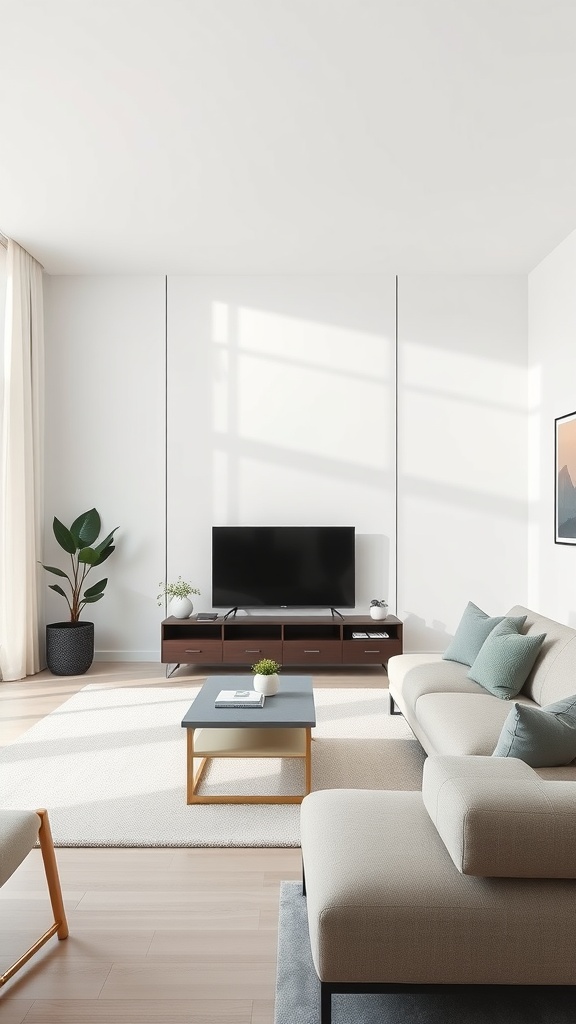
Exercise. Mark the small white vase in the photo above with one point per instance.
(266, 684)
(181, 607)
(378, 611)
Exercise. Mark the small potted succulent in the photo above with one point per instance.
(180, 605)
(266, 676)
(378, 609)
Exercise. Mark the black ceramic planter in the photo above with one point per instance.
(69, 647)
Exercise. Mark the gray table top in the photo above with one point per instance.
(292, 706)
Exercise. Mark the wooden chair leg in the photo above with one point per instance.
(52, 876)
(60, 925)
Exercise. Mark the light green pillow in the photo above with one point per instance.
(505, 660)
(473, 628)
(542, 737)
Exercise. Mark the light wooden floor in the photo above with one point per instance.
(156, 936)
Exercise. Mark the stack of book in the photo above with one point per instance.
(239, 699)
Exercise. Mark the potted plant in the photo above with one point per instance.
(378, 609)
(180, 605)
(266, 676)
(70, 644)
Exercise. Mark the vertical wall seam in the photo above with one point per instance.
(165, 435)
(396, 448)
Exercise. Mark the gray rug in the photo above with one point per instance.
(298, 990)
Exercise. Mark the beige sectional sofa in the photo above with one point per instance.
(472, 880)
(451, 714)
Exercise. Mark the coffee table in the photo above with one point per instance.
(282, 728)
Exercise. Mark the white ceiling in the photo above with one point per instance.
(287, 136)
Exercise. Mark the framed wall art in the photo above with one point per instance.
(565, 479)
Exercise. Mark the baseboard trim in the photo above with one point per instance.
(128, 656)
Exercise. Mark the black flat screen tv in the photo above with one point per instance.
(283, 567)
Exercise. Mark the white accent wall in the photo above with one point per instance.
(281, 410)
(552, 353)
(462, 451)
(105, 410)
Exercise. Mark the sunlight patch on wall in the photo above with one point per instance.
(313, 344)
(474, 378)
(308, 410)
(458, 411)
(296, 386)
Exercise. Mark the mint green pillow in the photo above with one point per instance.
(505, 660)
(473, 628)
(542, 737)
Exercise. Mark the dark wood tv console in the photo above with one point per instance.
(291, 640)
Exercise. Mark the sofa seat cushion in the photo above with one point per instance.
(462, 723)
(385, 903)
(496, 817)
(412, 675)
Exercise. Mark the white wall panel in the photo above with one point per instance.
(281, 396)
(463, 452)
(281, 412)
(105, 387)
(552, 332)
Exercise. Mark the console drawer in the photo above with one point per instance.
(190, 652)
(369, 652)
(246, 652)
(310, 652)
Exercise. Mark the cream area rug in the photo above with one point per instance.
(110, 766)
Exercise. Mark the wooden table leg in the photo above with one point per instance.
(189, 765)
(308, 760)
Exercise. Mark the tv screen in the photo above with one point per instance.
(283, 567)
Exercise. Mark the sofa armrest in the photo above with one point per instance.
(497, 817)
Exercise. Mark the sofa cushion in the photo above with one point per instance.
(542, 737)
(413, 675)
(472, 630)
(385, 903)
(461, 723)
(497, 818)
(505, 659)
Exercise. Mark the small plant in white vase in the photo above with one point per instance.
(180, 605)
(266, 676)
(378, 609)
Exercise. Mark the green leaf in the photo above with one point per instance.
(92, 600)
(57, 572)
(57, 589)
(101, 547)
(88, 556)
(105, 554)
(96, 589)
(64, 537)
(86, 528)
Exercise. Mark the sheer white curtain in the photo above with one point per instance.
(21, 482)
